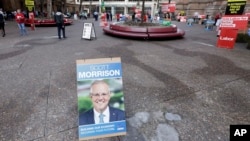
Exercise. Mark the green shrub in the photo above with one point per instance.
(248, 44)
(242, 38)
(84, 104)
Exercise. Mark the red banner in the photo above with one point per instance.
(227, 38)
(31, 18)
(248, 14)
(172, 7)
(168, 7)
(234, 21)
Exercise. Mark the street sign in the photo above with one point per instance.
(88, 31)
(227, 38)
(235, 7)
(29, 2)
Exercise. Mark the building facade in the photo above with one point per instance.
(190, 7)
(117, 6)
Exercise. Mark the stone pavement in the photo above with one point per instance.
(175, 90)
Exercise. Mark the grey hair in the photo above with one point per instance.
(98, 82)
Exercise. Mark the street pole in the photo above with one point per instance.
(157, 5)
(49, 3)
(90, 7)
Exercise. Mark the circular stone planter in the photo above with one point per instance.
(145, 32)
(46, 22)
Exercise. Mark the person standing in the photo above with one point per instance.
(58, 17)
(96, 16)
(117, 17)
(20, 19)
(107, 16)
(110, 16)
(2, 22)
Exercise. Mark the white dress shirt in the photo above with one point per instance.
(105, 118)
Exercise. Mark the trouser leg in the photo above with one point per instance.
(59, 31)
(24, 29)
(20, 28)
(63, 31)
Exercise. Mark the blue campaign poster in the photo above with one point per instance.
(100, 98)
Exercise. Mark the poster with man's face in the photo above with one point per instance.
(100, 98)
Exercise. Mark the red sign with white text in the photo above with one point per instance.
(234, 21)
(168, 7)
(227, 38)
(172, 7)
(248, 14)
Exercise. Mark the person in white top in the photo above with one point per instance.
(218, 22)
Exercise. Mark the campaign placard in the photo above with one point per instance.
(88, 31)
(168, 7)
(100, 98)
(234, 21)
(227, 38)
(235, 7)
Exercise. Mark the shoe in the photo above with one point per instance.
(3, 35)
(64, 37)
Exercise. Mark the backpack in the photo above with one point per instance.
(1, 18)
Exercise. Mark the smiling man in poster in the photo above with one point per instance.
(101, 111)
(100, 98)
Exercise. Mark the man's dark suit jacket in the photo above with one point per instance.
(88, 117)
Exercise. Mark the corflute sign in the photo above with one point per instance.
(227, 38)
(235, 7)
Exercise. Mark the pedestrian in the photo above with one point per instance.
(20, 19)
(133, 17)
(117, 17)
(110, 16)
(218, 22)
(2, 22)
(58, 17)
(96, 15)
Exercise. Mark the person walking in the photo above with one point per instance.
(110, 16)
(96, 16)
(2, 22)
(58, 17)
(20, 19)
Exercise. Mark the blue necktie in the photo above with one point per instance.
(101, 116)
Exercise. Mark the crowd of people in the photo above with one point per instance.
(20, 20)
(19, 16)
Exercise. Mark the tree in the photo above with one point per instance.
(142, 11)
(41, 2)
(49, 8)
(80, 7)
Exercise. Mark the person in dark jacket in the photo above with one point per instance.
(2, 22)
(58, 17)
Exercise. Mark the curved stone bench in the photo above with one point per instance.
(127, 31)
(154, 32)
(46, 22)
(144, 32)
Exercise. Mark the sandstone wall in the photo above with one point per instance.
(203, 7)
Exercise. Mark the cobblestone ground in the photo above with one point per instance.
(175, 90)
